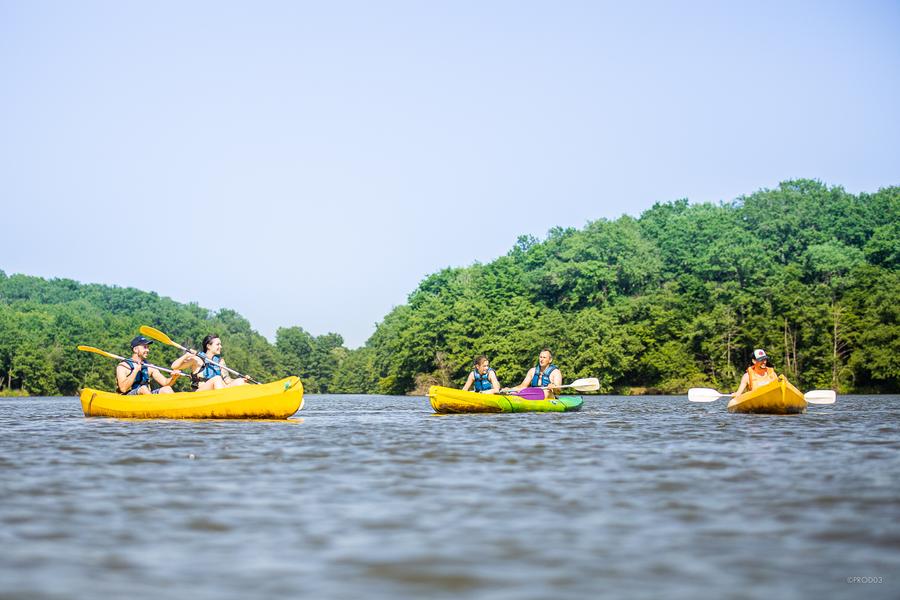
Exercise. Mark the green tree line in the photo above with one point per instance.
(42, 322)
(675, 298)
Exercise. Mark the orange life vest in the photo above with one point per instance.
(755, 379)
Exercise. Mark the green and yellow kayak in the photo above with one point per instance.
(451, 401)
(277, 400)
(776, 398)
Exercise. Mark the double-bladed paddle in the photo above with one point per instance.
(159, 336)
(588, 384)
(116, 356)
(526, 393)
(811, 397)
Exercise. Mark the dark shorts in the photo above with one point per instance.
(135, 392)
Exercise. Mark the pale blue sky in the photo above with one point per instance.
(309, 163)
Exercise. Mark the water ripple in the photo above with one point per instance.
(375, 497)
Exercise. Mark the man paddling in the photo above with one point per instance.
(758, 374)
(482, 377)
(544, 374)
(133, 375)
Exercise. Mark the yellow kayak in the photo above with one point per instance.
(448, 401)
(776, 398)
(277, 400)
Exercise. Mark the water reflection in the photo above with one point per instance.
(374, 497)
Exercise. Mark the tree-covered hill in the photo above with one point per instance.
(674, 298)
(42, 322)
(677, 297)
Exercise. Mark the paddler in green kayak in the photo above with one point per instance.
(544, 374)
(758, 374)
(207, 367)
(482, 379)
(133, 376)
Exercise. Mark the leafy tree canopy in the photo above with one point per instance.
(677, 297)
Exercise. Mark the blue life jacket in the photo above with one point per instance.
(482, 382)
(542, 379)
(143, 377)
(210, 367)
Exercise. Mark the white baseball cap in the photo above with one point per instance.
(760, 354)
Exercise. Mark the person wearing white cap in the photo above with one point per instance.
(758, 374)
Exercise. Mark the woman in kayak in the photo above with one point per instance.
(482, 377)
(207, 367)
(758, 374)
(133, 376)
(544, 374)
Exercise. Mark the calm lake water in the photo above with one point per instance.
(376, 497)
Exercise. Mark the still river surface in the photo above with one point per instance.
(375, 497)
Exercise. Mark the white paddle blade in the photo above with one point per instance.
(588, 384)
(587, 388)
(704, 395)
(820, 396)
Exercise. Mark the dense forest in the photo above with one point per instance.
(675, 298)
(42, 322)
